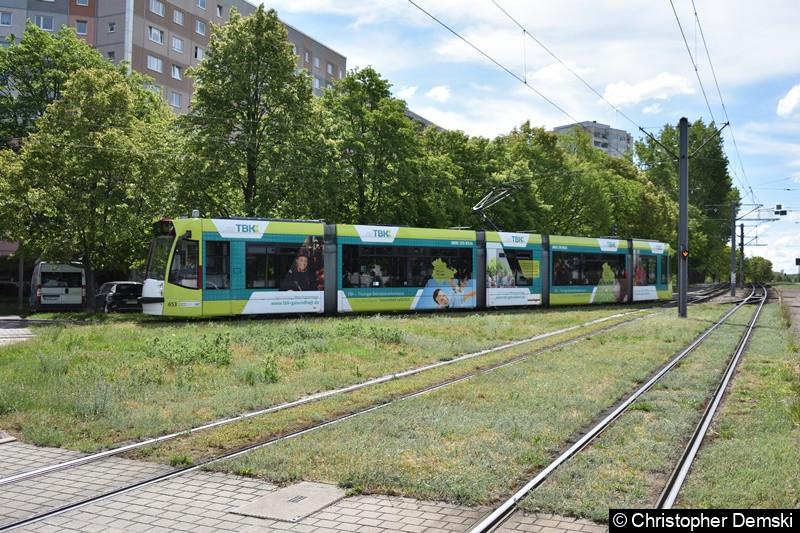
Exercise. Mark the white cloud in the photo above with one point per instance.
(406, 92)
(652, 109)
(558, 72)
(483, 87)
(789, 103)
(662, 87)
(440, 93)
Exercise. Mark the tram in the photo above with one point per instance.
(205, 267)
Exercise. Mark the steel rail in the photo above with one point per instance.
(296, 403)
(670, 493)
(504, 511)
(235, 453)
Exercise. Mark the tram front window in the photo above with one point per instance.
(159, 255)
(183, 270)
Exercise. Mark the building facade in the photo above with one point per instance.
(160, 38)
(614, 142)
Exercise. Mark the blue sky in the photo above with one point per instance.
(632, 52)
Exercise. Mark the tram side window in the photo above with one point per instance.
(645, 272)
(375, 266)
(267, 263)
(522, 270)
(651, 267)
(586, 268)
(218, 265)
(457, 260)
(183, 270)
(400, 266)
(260, 267)
(664, 269)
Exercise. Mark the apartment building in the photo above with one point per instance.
(612, 141)
(160, 38)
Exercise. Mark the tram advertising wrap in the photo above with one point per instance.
(218, 267)
(405, 269)
(513, 269)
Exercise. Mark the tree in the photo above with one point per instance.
(469, 164)
(638, 208)
(528, 159)
(711, 190)
(249, 110)
(91, 179)
(758, 269)
(320, 177)
(381, 154)
(33, 74)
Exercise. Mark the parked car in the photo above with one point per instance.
(119, 296)
(57, 287)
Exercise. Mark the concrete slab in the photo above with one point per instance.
(5, 437)
(293, 503)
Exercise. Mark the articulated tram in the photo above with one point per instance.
(241, 266)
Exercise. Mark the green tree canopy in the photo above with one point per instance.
(33, 73)
(710, 189)
(88, 183)
(470, 165)
(758, 269)
(249, 111)
(381, 151)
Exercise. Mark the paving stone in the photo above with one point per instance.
(202, 502)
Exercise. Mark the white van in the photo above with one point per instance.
(57, 286)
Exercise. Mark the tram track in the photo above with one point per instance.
(494, 520)
(312, 398)
(304, 401)
(679, 474)
(38, 515)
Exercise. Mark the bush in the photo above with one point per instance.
(9, 288)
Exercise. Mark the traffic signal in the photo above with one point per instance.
(685, 254)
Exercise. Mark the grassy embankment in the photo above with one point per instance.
(120, 378)
(475, 441)
(751, 461)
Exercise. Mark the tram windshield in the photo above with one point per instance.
(159, 256)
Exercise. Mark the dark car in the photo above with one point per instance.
(119, 296)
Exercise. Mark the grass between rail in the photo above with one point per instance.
(753, 460)
(120, 378)
(474, 441)
(753, 457)
(628, 464)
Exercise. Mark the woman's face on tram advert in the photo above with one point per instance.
(302, 263)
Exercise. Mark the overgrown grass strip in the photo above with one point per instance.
(89, 387)
(752, 459)
(475, 441)
(628, 465)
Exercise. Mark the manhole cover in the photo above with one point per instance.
(294, 502)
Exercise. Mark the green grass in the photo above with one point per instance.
(8, 305)
(475, 441)
(753, 458)
(628, 465)
(121, 378)
(124, 377)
